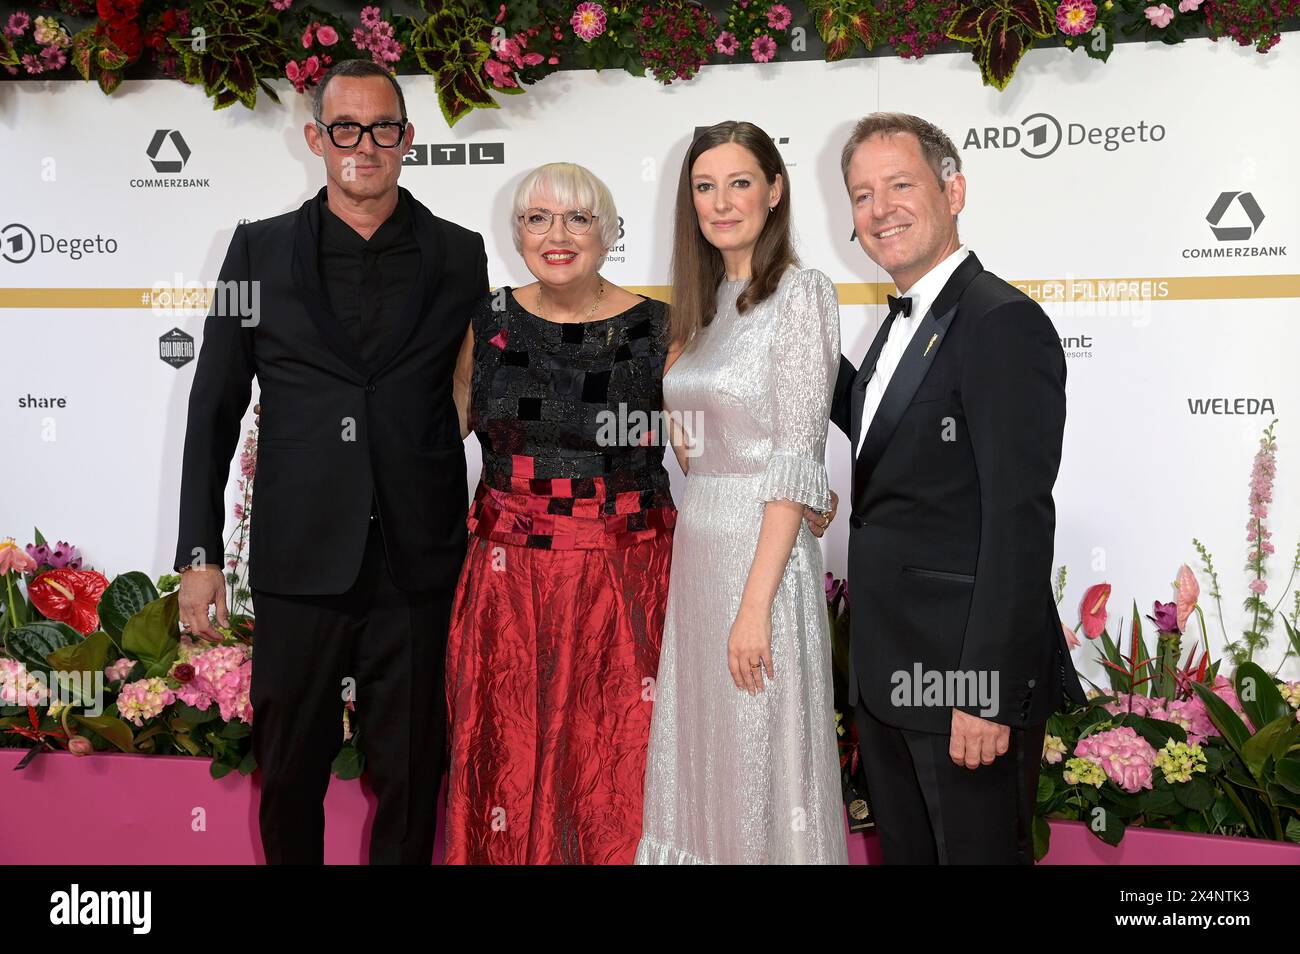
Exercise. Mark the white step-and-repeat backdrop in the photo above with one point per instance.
(1151, 204)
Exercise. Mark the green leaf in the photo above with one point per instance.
(1106, 825)
(1272, 741)
(151, 634)
(236, 730)
(36, 531)
(33, 643)
(1042, 837)
(88, 656)
(1198, 794)
(1160, 801)
(1259, 695)
(127, 595)
(1287, 774)
(1045, 788)
(1227, 721)
(220, 769)
(349, 763)
(111, 728)
(247, 764)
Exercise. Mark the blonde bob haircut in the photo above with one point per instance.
(572, 187)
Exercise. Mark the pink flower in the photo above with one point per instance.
(779, 16)
(370, 17)
(327, 35)
(553, 60)
(12, 559)
(143, 699)
(1160, 16)
(532, 59)
(588, 21)
(1076, 16)
(502, 75)
(1259, 587)
(281, 4)
(221, 675)
(1189, 591)
(1092, 610)
(18, 23)
(33, 64)
(1225, 690)
(1187, 6)
(726, 43)
(80, 745)
(499, 339)
(1188, 713)
(763, 48)
(54, 58)
(306, 36)
(119, 670)
(1123, 755)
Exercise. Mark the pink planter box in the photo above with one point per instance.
(130, 809)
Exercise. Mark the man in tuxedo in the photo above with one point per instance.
(955, 418)
(358, 515)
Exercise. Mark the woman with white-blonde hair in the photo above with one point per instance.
(559, 611)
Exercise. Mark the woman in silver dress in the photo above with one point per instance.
(742, 767)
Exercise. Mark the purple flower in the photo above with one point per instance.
(1166, 618)
(726, 43)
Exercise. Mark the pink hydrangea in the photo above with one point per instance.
(1188, 713)
(221, 675)
(18, 687)
(1225, 690)
(1125, 757)
(119, 670)
(144, 699)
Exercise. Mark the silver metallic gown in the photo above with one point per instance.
(733, 778)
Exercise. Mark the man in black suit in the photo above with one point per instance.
(358, 520)
(956, 418)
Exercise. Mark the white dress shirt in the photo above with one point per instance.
(923, 293)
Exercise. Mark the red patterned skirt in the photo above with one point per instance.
(551, 660)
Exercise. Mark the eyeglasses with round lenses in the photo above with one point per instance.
(538, 221)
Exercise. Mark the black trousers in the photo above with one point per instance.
(931, 811)
(384, 648)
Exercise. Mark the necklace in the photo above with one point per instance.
(600, 293)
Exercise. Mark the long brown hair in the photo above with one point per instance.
(697, 266)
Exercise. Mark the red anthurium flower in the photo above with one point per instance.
(1092, 611)
(70, 596)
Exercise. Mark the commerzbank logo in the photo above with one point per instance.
(1235, 219)
(168, 153)
(1040, 135)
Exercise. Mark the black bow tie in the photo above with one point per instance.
(903, 304)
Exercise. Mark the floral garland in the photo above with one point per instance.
(477, 49)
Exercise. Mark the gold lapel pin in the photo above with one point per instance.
(933, 338)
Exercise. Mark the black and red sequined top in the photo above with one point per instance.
(566, 415)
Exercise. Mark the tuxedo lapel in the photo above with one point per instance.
(868, 367)
(912, 368)
(311, 290)
(421, 297)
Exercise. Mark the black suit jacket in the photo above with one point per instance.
(950, 539)
(335, 434)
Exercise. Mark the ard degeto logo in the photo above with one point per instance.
(17, 243)
(1039, 135)
(176, 348)
(1235, 233)
(182, 150)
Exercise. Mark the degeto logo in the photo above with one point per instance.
(17, 243)
(1040, 135)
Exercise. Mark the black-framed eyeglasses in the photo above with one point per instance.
(386, 133)
(539, 221)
